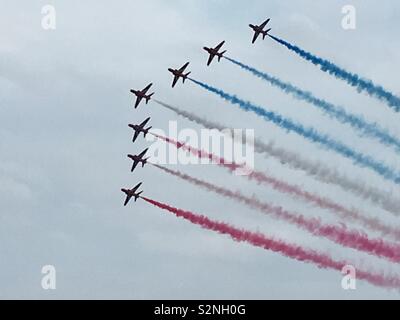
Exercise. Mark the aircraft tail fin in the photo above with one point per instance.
(147, 131)
(265, 33)
(221, 55)
(149, 97)
(145, 161)
(138, 195)
(185, 76)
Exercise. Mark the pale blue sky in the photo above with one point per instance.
(65, 105)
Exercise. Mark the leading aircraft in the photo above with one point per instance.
(138, 158)
(132, 193)
(140, 128)
(141, 94)
(214, 52)
(178, 73)
(260, 30)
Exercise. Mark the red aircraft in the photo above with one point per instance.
(141, 94)
(140, 128)
(260, 30)
(178, 73)
(137, 159)
(131, 193)
(214, 52)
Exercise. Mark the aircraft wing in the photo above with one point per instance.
(262, 25)
(184, 67)
(137, 187)
(128, 197)
(135, 135)
(138, 99)
(210, 59)
(219, 46)
(147, 88)
(256, 34)
(143, 153)
(175, 81)
(134, 165)
(143, 124)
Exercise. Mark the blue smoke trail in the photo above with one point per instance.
(357, 122)
(352, 79)
(310, 134)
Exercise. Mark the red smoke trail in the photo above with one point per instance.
(201, 153)
(341, 211)
(295, 161)
(350, 238)
(287, 249)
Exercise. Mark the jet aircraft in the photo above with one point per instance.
(138, 159)
(214, 52)
(140, 128)
(132, 193)
(179, 73)
(260, 30)
(142, 94)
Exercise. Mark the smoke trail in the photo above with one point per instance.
(287, 249)
(352, 79)
(192, 117)
(310, 134)
(341, 235)
(343, 212)
(314, 169)
(357, 122)
(339, 210)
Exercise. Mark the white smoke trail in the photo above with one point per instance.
(312, 168)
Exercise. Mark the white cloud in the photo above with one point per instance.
(65, 105)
